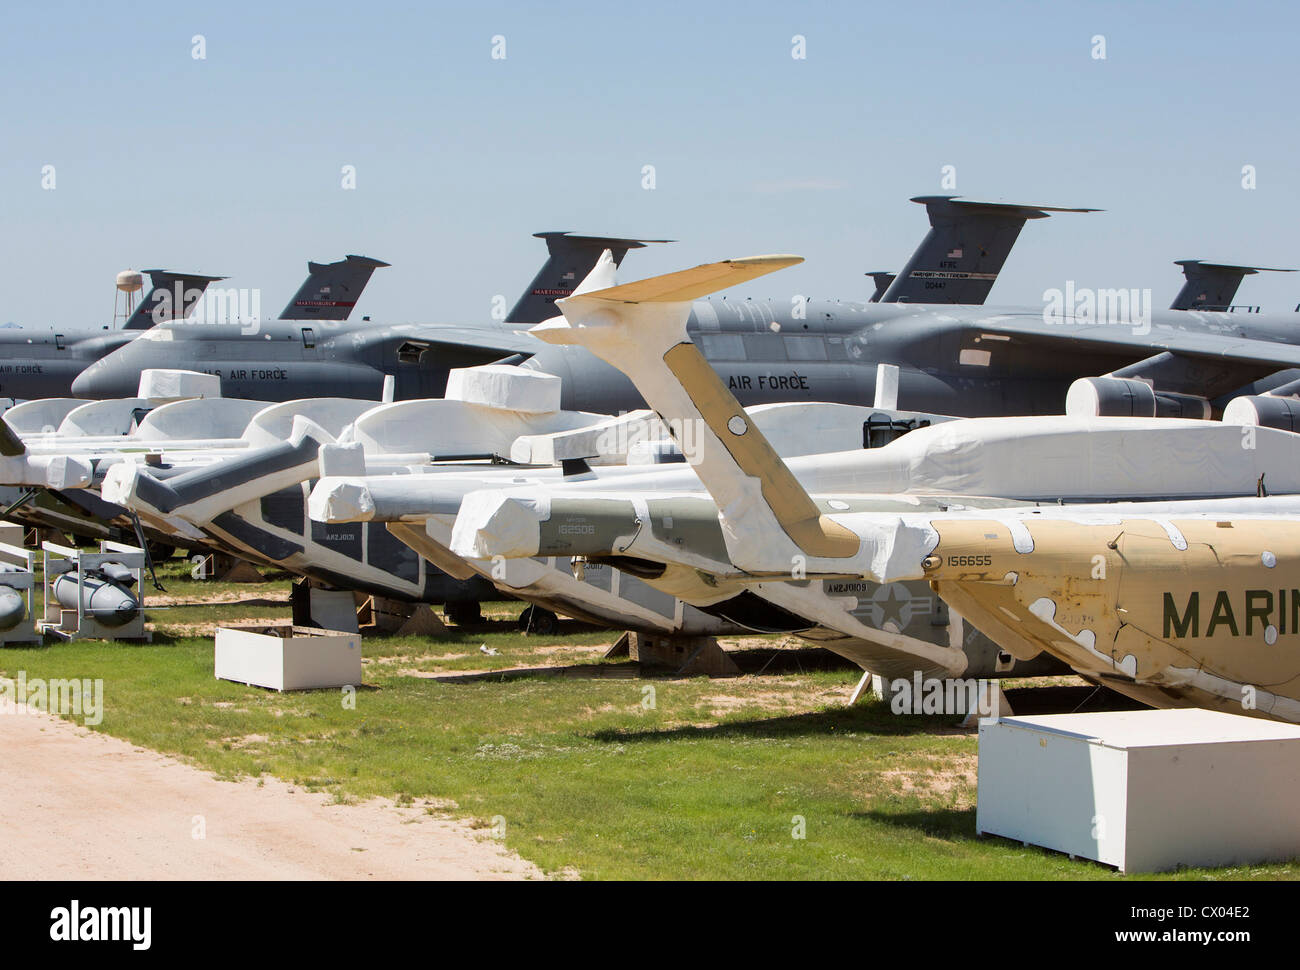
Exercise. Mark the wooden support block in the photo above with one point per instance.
(686, 655)
(620, 648)
(422, 622)
(383, 615)
(222, 568)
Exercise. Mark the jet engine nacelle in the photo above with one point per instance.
(1122, 397)
(1282, 413)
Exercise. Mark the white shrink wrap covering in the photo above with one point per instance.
(506, 387)
(158, 384)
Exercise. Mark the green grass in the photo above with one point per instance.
(585, 777)
(706, 784)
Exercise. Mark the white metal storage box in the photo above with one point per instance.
(284, 657)
(1144, 791)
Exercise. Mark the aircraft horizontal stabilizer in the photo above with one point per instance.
(1212, 286)
(692, 284)
(882, 279)
(567, 238)
(1018, 209)
(331, 290)
(171, 296)
(570, 258)
(664, 301)
(961, 256)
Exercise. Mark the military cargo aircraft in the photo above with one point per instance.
(40, 363)
(287, 359)
(324, 302)
(973, 361)
(40, 366)
(1127, 358)
(798, 348)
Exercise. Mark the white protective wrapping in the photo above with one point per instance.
(333, 414)
(794, 428)
(607, 440)
(1063, 457)
(111, 417)
(159, 384)
(445, 428)
(663, 451)
(50, 471)
(205, 418)
(337, 459)
(492, 522)
(505, 387)
(340, 501)
(44, 415)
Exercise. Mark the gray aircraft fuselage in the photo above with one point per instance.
(765, 351)
(44, 363)
(831, 354)
(290, 359)
(311, 350)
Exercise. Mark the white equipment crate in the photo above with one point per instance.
(1144, 791)
(286, 657)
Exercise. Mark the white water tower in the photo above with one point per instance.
(129, 283)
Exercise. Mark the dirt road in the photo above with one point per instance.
(75, 804)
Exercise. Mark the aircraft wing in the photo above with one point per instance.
(507, 342)
(1031, 330)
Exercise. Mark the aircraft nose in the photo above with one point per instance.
(99, 381)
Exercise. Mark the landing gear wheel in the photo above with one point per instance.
(537, 620)
(464, 612)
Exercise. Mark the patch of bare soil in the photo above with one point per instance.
(770, 701)
(85, 805)
(950, 779)
(244, 597)
(207, 629)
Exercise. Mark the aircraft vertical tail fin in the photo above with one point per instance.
(1212, 286)
(171, 296)
(882, 281)
(569, 261)
(959, 259)
(640, 328)
(331, 290)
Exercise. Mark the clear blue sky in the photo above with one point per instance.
(232, 164)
